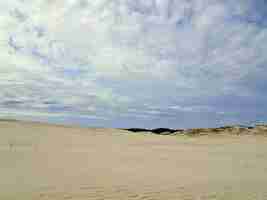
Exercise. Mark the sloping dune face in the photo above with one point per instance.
(43, 162)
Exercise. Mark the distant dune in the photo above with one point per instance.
(235, 130)
(52, 162)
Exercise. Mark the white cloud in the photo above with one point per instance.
(58, 50)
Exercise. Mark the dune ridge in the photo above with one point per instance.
(257, 129)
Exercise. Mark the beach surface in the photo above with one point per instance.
(49, 162)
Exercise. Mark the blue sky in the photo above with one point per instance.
(133, 63)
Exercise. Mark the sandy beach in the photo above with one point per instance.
(49, 162)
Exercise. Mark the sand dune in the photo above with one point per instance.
(48, 162)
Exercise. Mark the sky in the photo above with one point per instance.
(134, 63)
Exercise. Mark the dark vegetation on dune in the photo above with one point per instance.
(235, 130)
(163, 131)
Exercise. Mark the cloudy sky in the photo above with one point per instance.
(134, 63)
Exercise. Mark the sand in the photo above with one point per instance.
(48, 162)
